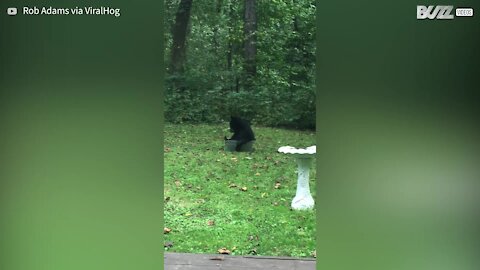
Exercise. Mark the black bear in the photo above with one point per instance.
(242, 132)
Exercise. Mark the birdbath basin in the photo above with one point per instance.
(303, 198)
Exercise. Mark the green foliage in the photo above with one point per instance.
(206, 208)
(213, 85)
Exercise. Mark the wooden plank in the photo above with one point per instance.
(185, 261)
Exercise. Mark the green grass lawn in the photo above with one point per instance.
(238, 201)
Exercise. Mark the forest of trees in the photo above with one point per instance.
(255, 59)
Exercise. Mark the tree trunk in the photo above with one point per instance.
(250, 25)
(215, 28)
(230, 48)
(179, 34)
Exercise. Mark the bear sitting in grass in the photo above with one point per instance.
(242, 132)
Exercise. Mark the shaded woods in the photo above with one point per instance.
(255, 59)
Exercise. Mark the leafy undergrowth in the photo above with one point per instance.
(237, 203)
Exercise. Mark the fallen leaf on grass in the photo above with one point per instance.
(277, 185)
(211, 222)
(232, 185)
(243, 189)
(314, 254)
(257, 174)
(224, 251)
(166, 230)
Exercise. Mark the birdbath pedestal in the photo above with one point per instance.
(303, 199)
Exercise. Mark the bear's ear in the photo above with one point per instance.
(234, 119)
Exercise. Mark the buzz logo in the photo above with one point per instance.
(435, 12)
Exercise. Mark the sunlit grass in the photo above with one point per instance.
(216, 199)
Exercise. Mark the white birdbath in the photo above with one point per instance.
(303, 199)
